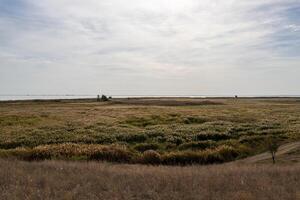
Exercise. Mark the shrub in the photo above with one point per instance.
(194, 120)
(11, 144)
(37, 154)
(160, 139)
(170, 146)
(26, 154)
(103, 139)
(212, 136)
(198, 145)
(218, 155)
(141, 121)
(183, 158)
(146, 146)
(133, 137)
(151, 157)
(252, 140)
(155, 134)
(112, 154)
(175, 139)
(227, 153)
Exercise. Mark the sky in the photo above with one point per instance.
(157, 47)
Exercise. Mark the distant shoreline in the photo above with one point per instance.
(53, 98)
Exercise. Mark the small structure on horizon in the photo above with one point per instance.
(102, 98)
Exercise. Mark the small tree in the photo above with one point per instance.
(273, 146)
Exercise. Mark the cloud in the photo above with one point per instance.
(159, 43)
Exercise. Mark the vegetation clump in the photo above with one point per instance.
(273, 146)
(142, 147)
(151, 157)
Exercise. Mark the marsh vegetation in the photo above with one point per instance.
(150, 131)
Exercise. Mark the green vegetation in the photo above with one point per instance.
(149, 131)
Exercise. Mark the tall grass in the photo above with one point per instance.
(121, 154)
(90, 180)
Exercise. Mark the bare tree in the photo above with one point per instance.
(272, 147)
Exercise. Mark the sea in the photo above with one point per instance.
(75, 96)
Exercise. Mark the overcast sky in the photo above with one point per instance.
(157, 47)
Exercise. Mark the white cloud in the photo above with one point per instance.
(171, 43)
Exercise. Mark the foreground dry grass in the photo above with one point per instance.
(92, 180)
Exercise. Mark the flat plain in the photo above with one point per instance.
(150, 148)
(167, 131)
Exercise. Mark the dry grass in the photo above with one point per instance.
(148, 131)
(90, 180)
(166, 102)
(170, 126)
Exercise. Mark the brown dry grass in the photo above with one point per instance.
(167, 102)
(91, 180)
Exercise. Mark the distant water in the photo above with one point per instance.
(45, 97)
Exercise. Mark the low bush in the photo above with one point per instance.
(113, 154)
(37, 154)
(252, 140)
(25, 154)
(227, 153)
(117, 153)
(155, 134)
(194, 120)
(175, 139)
(103, 139)
(212, 136)
(198, 145)
(132, 137)
(146, 146)
(10, 144)
(170, 146)
(183, 158)
(141, 121)
(151, 157)
(220, 154)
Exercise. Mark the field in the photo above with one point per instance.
(168, 131)
(94, 180)
(123, 149)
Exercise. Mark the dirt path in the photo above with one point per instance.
(284, 149)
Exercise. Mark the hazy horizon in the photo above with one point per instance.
(158, 47)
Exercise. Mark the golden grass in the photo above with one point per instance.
(90, 180)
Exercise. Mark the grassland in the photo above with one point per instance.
(151, 131)
(95, 180)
